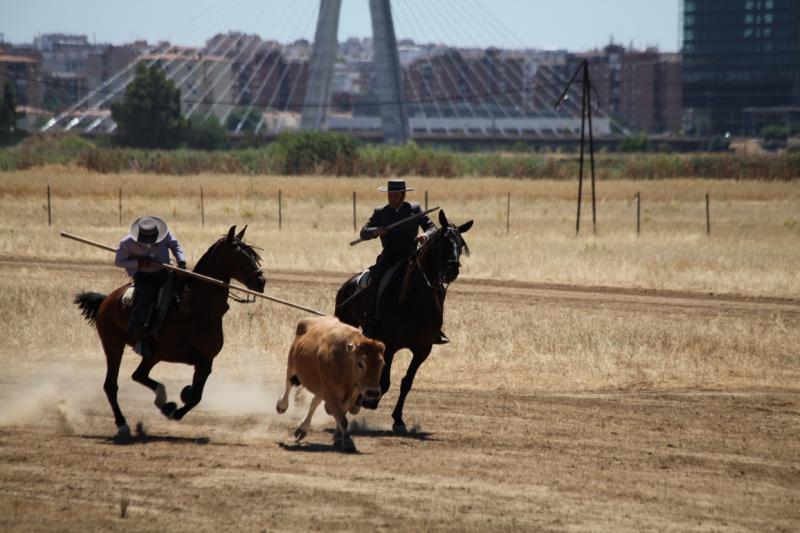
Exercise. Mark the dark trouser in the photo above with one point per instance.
(385, 261)
(147, 285)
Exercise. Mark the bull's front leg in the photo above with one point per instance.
(302, 430)
(341, 437)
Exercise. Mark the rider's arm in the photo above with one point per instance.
(427, 225)
(370, 229)
(125, 258)
(176, 248)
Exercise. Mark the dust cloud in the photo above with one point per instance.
(66, 397)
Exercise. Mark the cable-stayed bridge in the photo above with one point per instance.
(398, 90)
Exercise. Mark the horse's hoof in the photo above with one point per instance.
(299, 433)
(168, 409)
(186, 394)
(123, 432)
(399, 429)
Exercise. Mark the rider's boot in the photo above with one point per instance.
(371, 326)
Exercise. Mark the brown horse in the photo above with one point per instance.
(191, 333)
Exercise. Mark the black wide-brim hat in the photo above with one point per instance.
(149, 226)
(395, 186)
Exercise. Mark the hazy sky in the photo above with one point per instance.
(571, 24)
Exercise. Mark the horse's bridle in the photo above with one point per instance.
(452, 236)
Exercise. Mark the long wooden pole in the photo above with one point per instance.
(398, 223)
(207, 279)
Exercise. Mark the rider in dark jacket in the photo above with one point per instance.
(398, 244)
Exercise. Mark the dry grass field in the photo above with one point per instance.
(599, 382)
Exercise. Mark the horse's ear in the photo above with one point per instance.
(443, 219)
(465, 227)
(231, 231)
(240, 235)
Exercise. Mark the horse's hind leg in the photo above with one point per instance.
(191, 394)
(113, 349)
(142, 375)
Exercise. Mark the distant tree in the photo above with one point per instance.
(206, 133)
(149, 115)
(774, 136)
(634, 143)
(8, 114)
(249, 124)
(719, 143)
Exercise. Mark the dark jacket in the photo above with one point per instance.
(399, 242)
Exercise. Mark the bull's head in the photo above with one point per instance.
(368, 360)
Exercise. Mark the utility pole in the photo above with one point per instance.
(586, 115)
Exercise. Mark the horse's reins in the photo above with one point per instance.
(420, 254)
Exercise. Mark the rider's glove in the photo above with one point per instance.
(182, 265)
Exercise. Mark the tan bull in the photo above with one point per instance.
(337, 364)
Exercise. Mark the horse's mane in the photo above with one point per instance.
(248, 249)
(422, 250)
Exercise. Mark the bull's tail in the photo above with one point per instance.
(89, 303)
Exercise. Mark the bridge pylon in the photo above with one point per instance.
(388, 78)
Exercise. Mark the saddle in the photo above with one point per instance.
(364, 280)
(172, 292)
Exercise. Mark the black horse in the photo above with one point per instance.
(411, 307)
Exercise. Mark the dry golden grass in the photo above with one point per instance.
(753, 248)
(513, 344)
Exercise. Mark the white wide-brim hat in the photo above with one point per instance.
(147, 227)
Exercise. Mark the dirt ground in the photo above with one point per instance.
(475, 460)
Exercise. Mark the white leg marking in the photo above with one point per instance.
(161, 395)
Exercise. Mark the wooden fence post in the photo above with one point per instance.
(49, 215)
(202, 209)
(638, 212)
(120, 206)
(708, 217)
(426, 200)
(280, 210)
(508, 213)
(354, 210)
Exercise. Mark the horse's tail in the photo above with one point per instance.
(89, 302)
